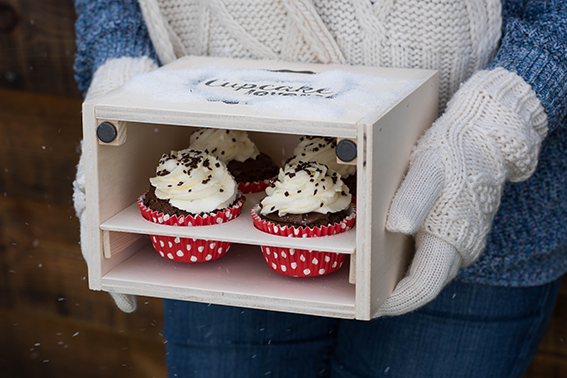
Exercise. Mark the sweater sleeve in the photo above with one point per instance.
(108, 29)
(534, 46)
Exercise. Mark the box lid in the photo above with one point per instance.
(261, 95)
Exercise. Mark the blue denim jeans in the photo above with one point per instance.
(469, 330)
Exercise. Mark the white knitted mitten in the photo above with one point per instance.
(491, 133)
(111, 75)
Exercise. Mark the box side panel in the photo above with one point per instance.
(364, 200)
(91, 240)
(385, 256)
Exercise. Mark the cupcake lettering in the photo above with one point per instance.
(256, 89)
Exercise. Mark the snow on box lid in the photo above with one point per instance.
(230, 89)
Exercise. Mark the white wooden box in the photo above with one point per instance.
(122, 259)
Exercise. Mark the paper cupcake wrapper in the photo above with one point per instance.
(221, 216)
(303, 232)
(190, 250)
(254, 187)
(301, 262)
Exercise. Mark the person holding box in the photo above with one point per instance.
(485, 196)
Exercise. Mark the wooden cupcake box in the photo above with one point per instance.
(126, 132)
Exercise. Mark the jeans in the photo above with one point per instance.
(469, 330)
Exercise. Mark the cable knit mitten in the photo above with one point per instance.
(491, 133)
(109, 76)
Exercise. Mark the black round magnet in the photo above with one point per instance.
(346, 150)
(106, 132)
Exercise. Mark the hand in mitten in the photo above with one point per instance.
(491, 133)
(109, 76)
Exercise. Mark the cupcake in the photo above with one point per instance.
(252, 169)
(306, 200)
(191, 188)
(322, 150)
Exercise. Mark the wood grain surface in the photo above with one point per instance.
(37, 43)
(51, 324)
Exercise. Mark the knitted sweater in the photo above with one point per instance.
(454, 37)
(528, 242)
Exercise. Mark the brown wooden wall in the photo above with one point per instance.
(51, 324)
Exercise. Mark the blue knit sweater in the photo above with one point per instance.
(528, 242)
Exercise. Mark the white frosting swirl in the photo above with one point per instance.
(306, 187)
(321, 150)
(227, 145)
(194, 181)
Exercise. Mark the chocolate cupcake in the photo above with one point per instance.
(306, 200)
(252, 169)
(191, 188)
(322, 150)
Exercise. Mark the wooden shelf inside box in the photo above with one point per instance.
(240, 278)
(239, 230)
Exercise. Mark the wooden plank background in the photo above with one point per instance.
(51, 324)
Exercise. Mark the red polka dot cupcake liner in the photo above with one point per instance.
(190, 250)
(303, 232)
(254, 187)
(301, 262)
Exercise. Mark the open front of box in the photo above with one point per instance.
(122, 258)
